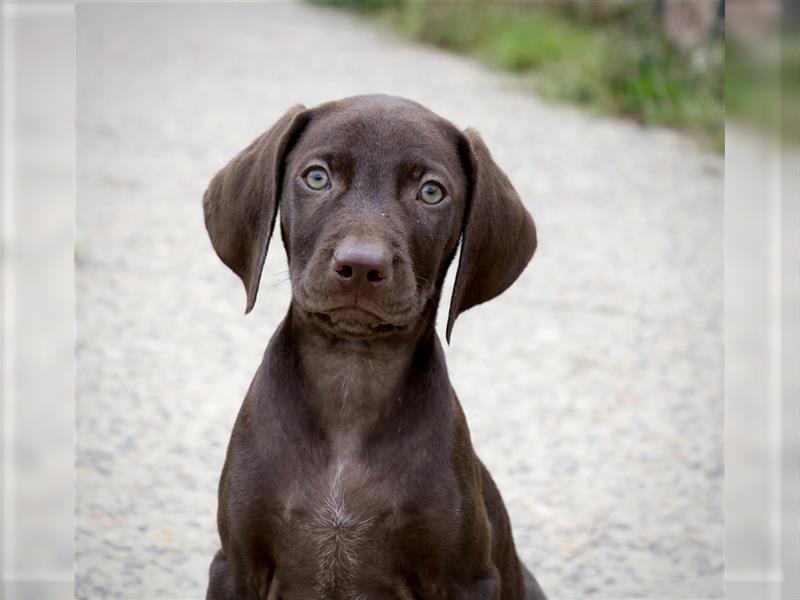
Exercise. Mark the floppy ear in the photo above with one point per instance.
(241, 201)
(498, 235)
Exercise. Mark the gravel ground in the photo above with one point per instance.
(593, 387)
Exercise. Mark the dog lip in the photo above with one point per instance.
(356, 309)
(354, 328)
(352, 315)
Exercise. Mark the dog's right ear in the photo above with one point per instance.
(241, 201)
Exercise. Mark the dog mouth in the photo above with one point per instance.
(352, 317)
(355, 322)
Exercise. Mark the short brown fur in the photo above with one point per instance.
(350, 473)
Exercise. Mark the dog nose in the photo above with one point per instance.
(361, 265)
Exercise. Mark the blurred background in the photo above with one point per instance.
(654, 61)
(594, 387)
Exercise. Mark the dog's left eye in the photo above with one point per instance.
(431, 193)
(316, 178)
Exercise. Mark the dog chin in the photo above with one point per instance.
(355, 323)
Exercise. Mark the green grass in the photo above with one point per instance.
(762, 85)
(618, 64)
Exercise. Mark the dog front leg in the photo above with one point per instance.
(225, 584)
(221, 582)
(484, 589)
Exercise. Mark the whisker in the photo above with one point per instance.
(280, 278)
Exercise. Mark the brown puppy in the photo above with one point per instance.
(350, 473)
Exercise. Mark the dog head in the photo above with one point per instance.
(375, 193)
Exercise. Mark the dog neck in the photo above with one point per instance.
(354, 385)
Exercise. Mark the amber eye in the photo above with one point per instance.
(431, 193)
(316, 178)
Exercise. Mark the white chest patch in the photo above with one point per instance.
(339, 535)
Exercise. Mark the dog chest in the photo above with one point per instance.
(345, 533)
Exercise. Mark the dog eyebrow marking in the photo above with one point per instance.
(339, 533)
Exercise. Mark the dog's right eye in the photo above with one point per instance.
(316, 178)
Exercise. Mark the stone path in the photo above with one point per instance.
(593, 387)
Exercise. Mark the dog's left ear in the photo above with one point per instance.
(241, 202)
(498, 234)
